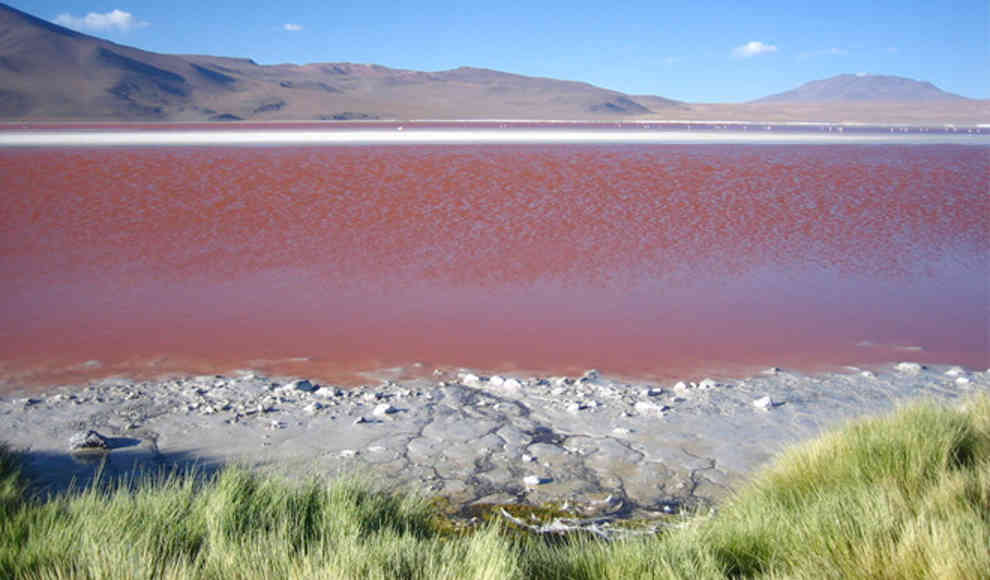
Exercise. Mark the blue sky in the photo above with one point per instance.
(693, 51)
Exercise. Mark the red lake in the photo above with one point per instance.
(647, 260)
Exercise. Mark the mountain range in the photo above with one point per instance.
(48, 72)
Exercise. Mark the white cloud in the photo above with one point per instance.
(115, 20)
(292, 27)
(752, 48)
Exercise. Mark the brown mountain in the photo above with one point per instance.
(48, 72)
(52, 72)
(861, 87)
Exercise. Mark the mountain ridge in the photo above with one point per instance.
(49, 72)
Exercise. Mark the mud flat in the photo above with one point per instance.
(603, 445)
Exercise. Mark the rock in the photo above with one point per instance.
(651, 392)
(360, 421)
(534, 480)
(910, 368)
(496, 381)
(383, 410)
(589, 376)
(962, 380)
(955, 372)
(511, 385)
(649, 408)
(621, 431)
(771, 371)
(868, 374)
(527, 458)
(469, 380)
(764, 403)
(303, 385)
(326, 393)
(348, 453)
(707, 384)
(681, 387)
(87, 441)
(576, 406)
(313, 407)
(275, 425)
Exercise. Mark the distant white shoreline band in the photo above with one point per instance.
(399, 136)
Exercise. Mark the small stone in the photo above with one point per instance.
(534, 480)
(87, 441)
(651, 392)
(707, 384)
(764, 403)
(527, 458)
(275, 425)
(511, 385)
(383, 410)
(313, 407)
(962, 380)
(589, 376)
(955, 372)
(911, 368)
(681, 387)
(361, 420)
(621, 431)
(557, 391)
(868, 374)
(303, 385)
(348, 453)
(771, 371)
(576, 406)
(469, 380)
(649, 408)
(496, 381)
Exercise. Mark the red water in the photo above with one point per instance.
(660, 261)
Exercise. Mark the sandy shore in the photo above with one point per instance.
(604, 444)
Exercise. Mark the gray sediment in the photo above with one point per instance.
(600, 444)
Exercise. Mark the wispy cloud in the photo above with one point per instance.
(292, 27)
(115, 20)
(824, 52)
(752, 48)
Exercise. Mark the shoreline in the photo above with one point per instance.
(627, 448)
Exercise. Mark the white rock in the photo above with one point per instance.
(962, 380)
(527, 458)
(955, 372)
(348, 453)
(911, 368)
(651, 392)
(469, 380)
(681, 387)
(649, 408)
(511, 385)
(313, 407)
(707, 384)
(763, 403)
(496, 381)
(621, 431)
(868, 374)
(557, 391)
(576, 407)
(383, 409)
(771, 371)
(590, 376)
(534, 480)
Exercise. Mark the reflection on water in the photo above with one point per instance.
(653, 260)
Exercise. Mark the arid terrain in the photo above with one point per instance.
(48, 72)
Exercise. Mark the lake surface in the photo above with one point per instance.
(646, 259)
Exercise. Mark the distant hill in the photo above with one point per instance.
(861, 87)
(51, 73)
(47, 71)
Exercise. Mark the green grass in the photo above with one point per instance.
(901, 496)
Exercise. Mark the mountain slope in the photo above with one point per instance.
(48, 71)
(849, 87)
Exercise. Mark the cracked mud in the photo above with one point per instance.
(603, 446)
